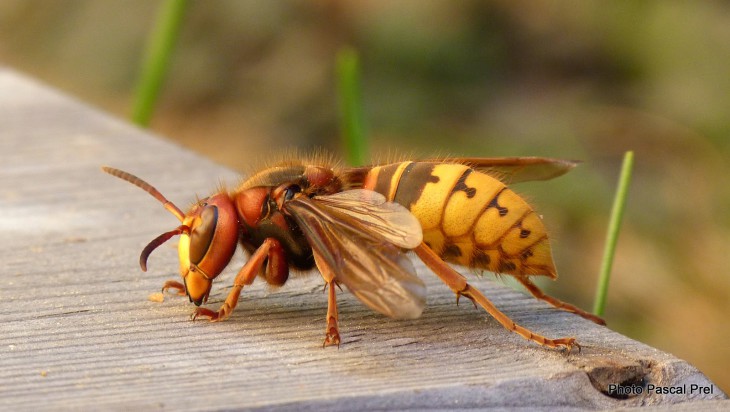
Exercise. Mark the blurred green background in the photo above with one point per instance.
(580, 80)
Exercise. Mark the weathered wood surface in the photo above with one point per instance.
(79, 333)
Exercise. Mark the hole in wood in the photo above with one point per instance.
(618, 378)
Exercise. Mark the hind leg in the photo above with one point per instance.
(539, 294)
(461, 287)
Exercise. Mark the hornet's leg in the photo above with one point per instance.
(332, 333)
(461, 287)
(173, 284)
(539, 294)
(271, 250)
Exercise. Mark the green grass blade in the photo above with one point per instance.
(157, 59)
(352, 124)
(614, 226)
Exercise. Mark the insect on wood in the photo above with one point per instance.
(356, 226)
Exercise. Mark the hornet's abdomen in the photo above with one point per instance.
(468, 217)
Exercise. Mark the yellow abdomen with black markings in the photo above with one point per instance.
(468, 217)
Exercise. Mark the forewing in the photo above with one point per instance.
(369, 211)
(517, 169)
(375, 270)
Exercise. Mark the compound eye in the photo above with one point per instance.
(202, 234)
(290, 191)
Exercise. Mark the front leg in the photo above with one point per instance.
(270, 249)
(170, 284)
(173, 284)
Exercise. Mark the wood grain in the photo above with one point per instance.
(78, 330)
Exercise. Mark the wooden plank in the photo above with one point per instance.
(79, 333)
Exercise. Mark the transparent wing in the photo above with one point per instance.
(517, 169)
(355, 248)
(369, 211)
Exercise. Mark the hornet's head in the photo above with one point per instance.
(208, 237)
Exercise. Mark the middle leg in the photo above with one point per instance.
(332, 333)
